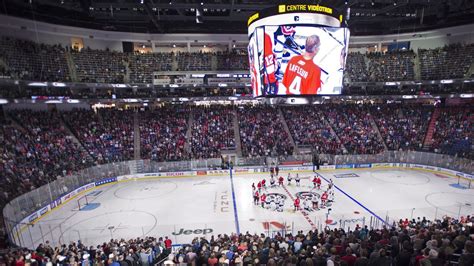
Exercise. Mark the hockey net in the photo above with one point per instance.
(82, 202)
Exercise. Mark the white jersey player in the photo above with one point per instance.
(314, 200)
(280, 204)
(297, 179)
(289, 178)
(307, 205)
(331, 195)
(273, 205)
(272, 181)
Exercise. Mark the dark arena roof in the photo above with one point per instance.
(367, 17)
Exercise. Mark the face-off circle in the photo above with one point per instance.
(308, 195)
(277, 197)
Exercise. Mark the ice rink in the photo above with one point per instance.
(183, 208)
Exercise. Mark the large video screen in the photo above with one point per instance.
(297, 60)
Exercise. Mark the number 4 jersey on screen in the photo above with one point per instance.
(297, 60)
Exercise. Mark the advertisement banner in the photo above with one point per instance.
(327, 167)
(362, 165)
(344, 166)
(106, 181)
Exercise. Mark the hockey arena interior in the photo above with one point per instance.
(236, 132)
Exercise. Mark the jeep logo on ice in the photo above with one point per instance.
(196, 231)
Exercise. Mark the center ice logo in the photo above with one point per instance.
(307, 195)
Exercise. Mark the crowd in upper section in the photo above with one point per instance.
(27, 60)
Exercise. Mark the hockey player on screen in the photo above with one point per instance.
(253, 72)
(285, 35)
(270, 67)
(302, 75)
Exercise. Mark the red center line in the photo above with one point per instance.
(305, 215)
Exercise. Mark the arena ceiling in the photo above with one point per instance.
(229, 16)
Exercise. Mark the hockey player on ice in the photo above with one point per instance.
(307, 205)
(331, 195)
(263, 200)
(256, 197)
(314, 200)
(272, 181)
(280, 181)
(272, 205)
(297, 179)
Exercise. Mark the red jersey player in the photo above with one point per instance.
(316, 182)
(263, 184)
(253, 71)
(324, 198)
(302, 75)
(270, 63)
(263, 200)
(297, 203)
(280, 181)
(256, 196)
(259, 185)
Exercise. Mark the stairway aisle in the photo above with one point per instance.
(431, 128)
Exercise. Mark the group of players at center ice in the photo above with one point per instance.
(303, 203)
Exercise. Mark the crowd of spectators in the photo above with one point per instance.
(108, 135)
(212, 131)
(194, 61)
(454, 132)
(36, 151)
(308, 128)
(103, 66)
(447, 241)
(353, 127)
(27, 60)
(142, 66)
(163, 133)
(391, 66)
(402, 127)
(232, 60)
(356, 67)
(451, 61)
(262, 132)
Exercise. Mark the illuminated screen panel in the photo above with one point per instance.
(299, 60)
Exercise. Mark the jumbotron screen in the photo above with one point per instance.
(297, 59)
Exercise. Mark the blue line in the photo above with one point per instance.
(236, 217)
(360, 204)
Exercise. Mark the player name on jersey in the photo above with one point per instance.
(298, 70)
